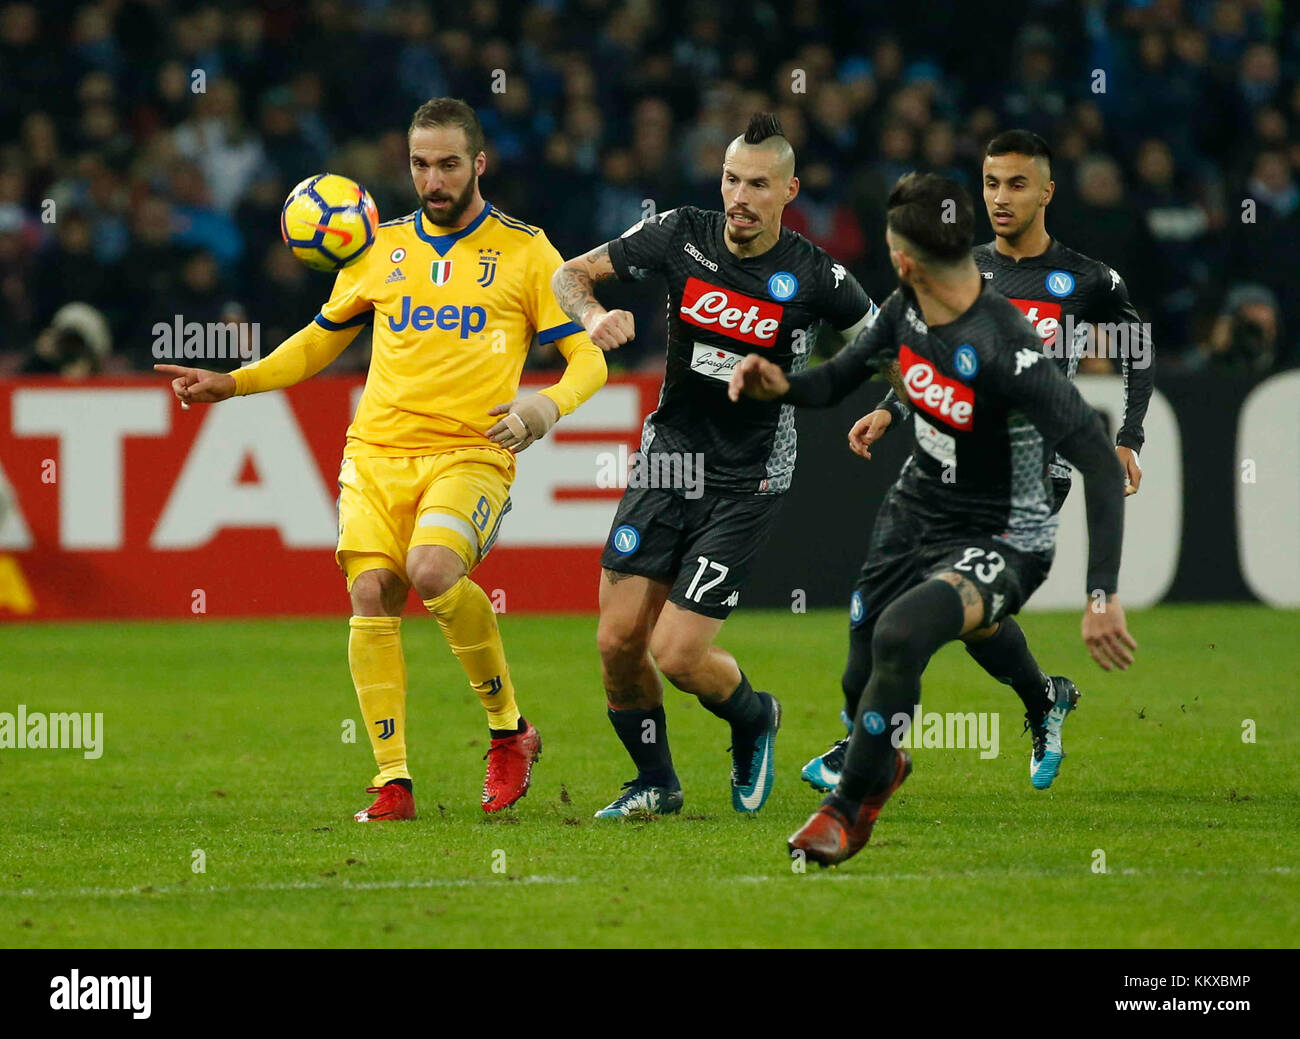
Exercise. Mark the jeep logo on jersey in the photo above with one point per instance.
(448, 318)
(440, 271)
(730, 313)
(1044, 316)
(1060, 283)
(944, 398)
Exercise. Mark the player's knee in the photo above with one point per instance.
(373, 593)
(892, 640)
(621, 646)
(433, 573)
(677, 662)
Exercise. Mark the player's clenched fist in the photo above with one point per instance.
(611, 329)
(867, 430)
(197, 385)
(524, 421)
(759, 378)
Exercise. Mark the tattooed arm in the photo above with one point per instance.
(890, 371)
(573, 285)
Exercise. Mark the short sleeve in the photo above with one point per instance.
(644, 247)
(846, 307)
(540, 305)
(349, 304)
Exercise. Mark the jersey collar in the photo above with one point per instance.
(442, 242)
(1025, 261)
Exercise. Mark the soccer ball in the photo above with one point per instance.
(329, 222)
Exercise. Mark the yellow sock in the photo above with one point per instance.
(470, 625)
(379, 673)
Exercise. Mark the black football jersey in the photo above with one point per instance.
(720, 308)
(1061, 291)
(988, 410)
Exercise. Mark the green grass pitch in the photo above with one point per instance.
(226, 738)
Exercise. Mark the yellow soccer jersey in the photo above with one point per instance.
(454, 315)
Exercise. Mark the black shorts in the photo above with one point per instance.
(704, 546)
(899, 559)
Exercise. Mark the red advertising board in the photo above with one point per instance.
(120, 504)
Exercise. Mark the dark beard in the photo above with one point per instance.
(450, 217)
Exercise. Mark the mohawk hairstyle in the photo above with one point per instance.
(762, 125)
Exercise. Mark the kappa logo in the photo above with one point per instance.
(1026, 359)
(838, 273)
(732, 599)
(946, 399)
(730, 313)
(699, 257)
(1114, 279)
(1044, 315)
(998, 600)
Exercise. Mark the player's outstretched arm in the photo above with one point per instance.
(299, 357)
(198, 385)
(1104, 629)
(574, 288)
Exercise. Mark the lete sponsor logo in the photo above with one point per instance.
(1044, 315)
(731, 313)
(945, 399)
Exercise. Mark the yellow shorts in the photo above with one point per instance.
(388, 505)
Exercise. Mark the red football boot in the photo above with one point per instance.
(510, 768)
(829, 839)
(393, 803)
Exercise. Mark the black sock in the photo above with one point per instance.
(647, 744)
(842, 804)
(1005, 656)
(743, 709)
(857, 671)
(501, 734)
(405, 784)
(909, 632)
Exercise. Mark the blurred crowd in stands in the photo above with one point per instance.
(128, 195)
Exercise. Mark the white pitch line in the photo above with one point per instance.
(296, 885)
(813, 872)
